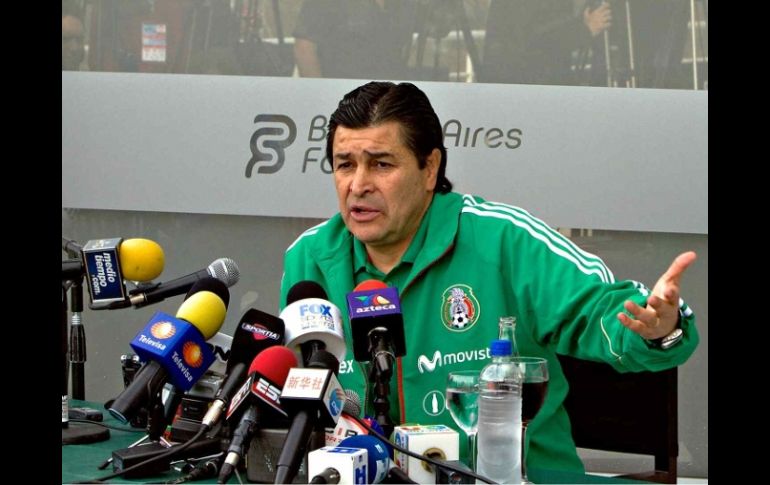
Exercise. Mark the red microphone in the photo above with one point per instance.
(267, 375)
(370, 285)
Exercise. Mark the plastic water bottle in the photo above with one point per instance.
(499, 435)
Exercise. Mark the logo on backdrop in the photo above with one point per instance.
(274, 133)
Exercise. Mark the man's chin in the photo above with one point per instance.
(364, 235)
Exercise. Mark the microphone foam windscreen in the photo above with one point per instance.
(213, 285)
(205, 310)
(274, 363)
(304, 290)
(377, 451)
(370, 285)
(141, 259)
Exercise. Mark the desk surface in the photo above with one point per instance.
(80, 462)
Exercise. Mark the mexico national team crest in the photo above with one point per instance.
(460, 309)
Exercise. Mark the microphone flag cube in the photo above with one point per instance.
(434, 440)
(176, 345)
(105, 279)
(309, 388)
(378, 307)
(350, 463)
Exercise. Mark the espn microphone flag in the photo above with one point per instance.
(266, 377)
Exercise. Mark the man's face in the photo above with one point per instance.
(382, 192)
(72, 52)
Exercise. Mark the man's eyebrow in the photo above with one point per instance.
(378, 154)
(347, 155)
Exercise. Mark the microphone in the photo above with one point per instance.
(256, 332)
(107, 262)
(312, 321)
(174, 348)
(376, 323)
(71, 247)
(346, 425)
(312, 395)
(342, 465)
(223, 269)
(378, 457)
(378, 336)
(267, 375)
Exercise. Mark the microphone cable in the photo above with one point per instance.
(424, 458)
(163, 455)
(203, 469)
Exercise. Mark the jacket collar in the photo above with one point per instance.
(334, 247)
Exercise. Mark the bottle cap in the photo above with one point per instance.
(500, 348)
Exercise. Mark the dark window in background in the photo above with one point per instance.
(648, 43)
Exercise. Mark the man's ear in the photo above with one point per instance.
(432, 163)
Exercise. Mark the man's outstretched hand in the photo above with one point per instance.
(659, 318)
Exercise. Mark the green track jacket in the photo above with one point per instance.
(481, 260)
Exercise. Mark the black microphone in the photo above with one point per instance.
(223, 269)
(377, 326)
(319, 403)
(174, 348)
(71, 247)
(256, 332)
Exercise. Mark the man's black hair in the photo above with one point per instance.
(379, 102)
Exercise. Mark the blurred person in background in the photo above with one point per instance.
(72, 36)
(538, 41)
(354, 39)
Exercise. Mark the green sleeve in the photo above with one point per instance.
(572, 303)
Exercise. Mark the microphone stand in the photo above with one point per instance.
(73, 433)
(77, 350)
(380, 374)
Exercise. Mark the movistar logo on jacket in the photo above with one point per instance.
(426, 364)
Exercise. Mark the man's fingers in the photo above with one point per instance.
(635, 325)
(646, 316)
(680, 264)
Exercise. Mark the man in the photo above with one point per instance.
(533, 41)
(354, 38)
(400, 223)
(72, 50)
